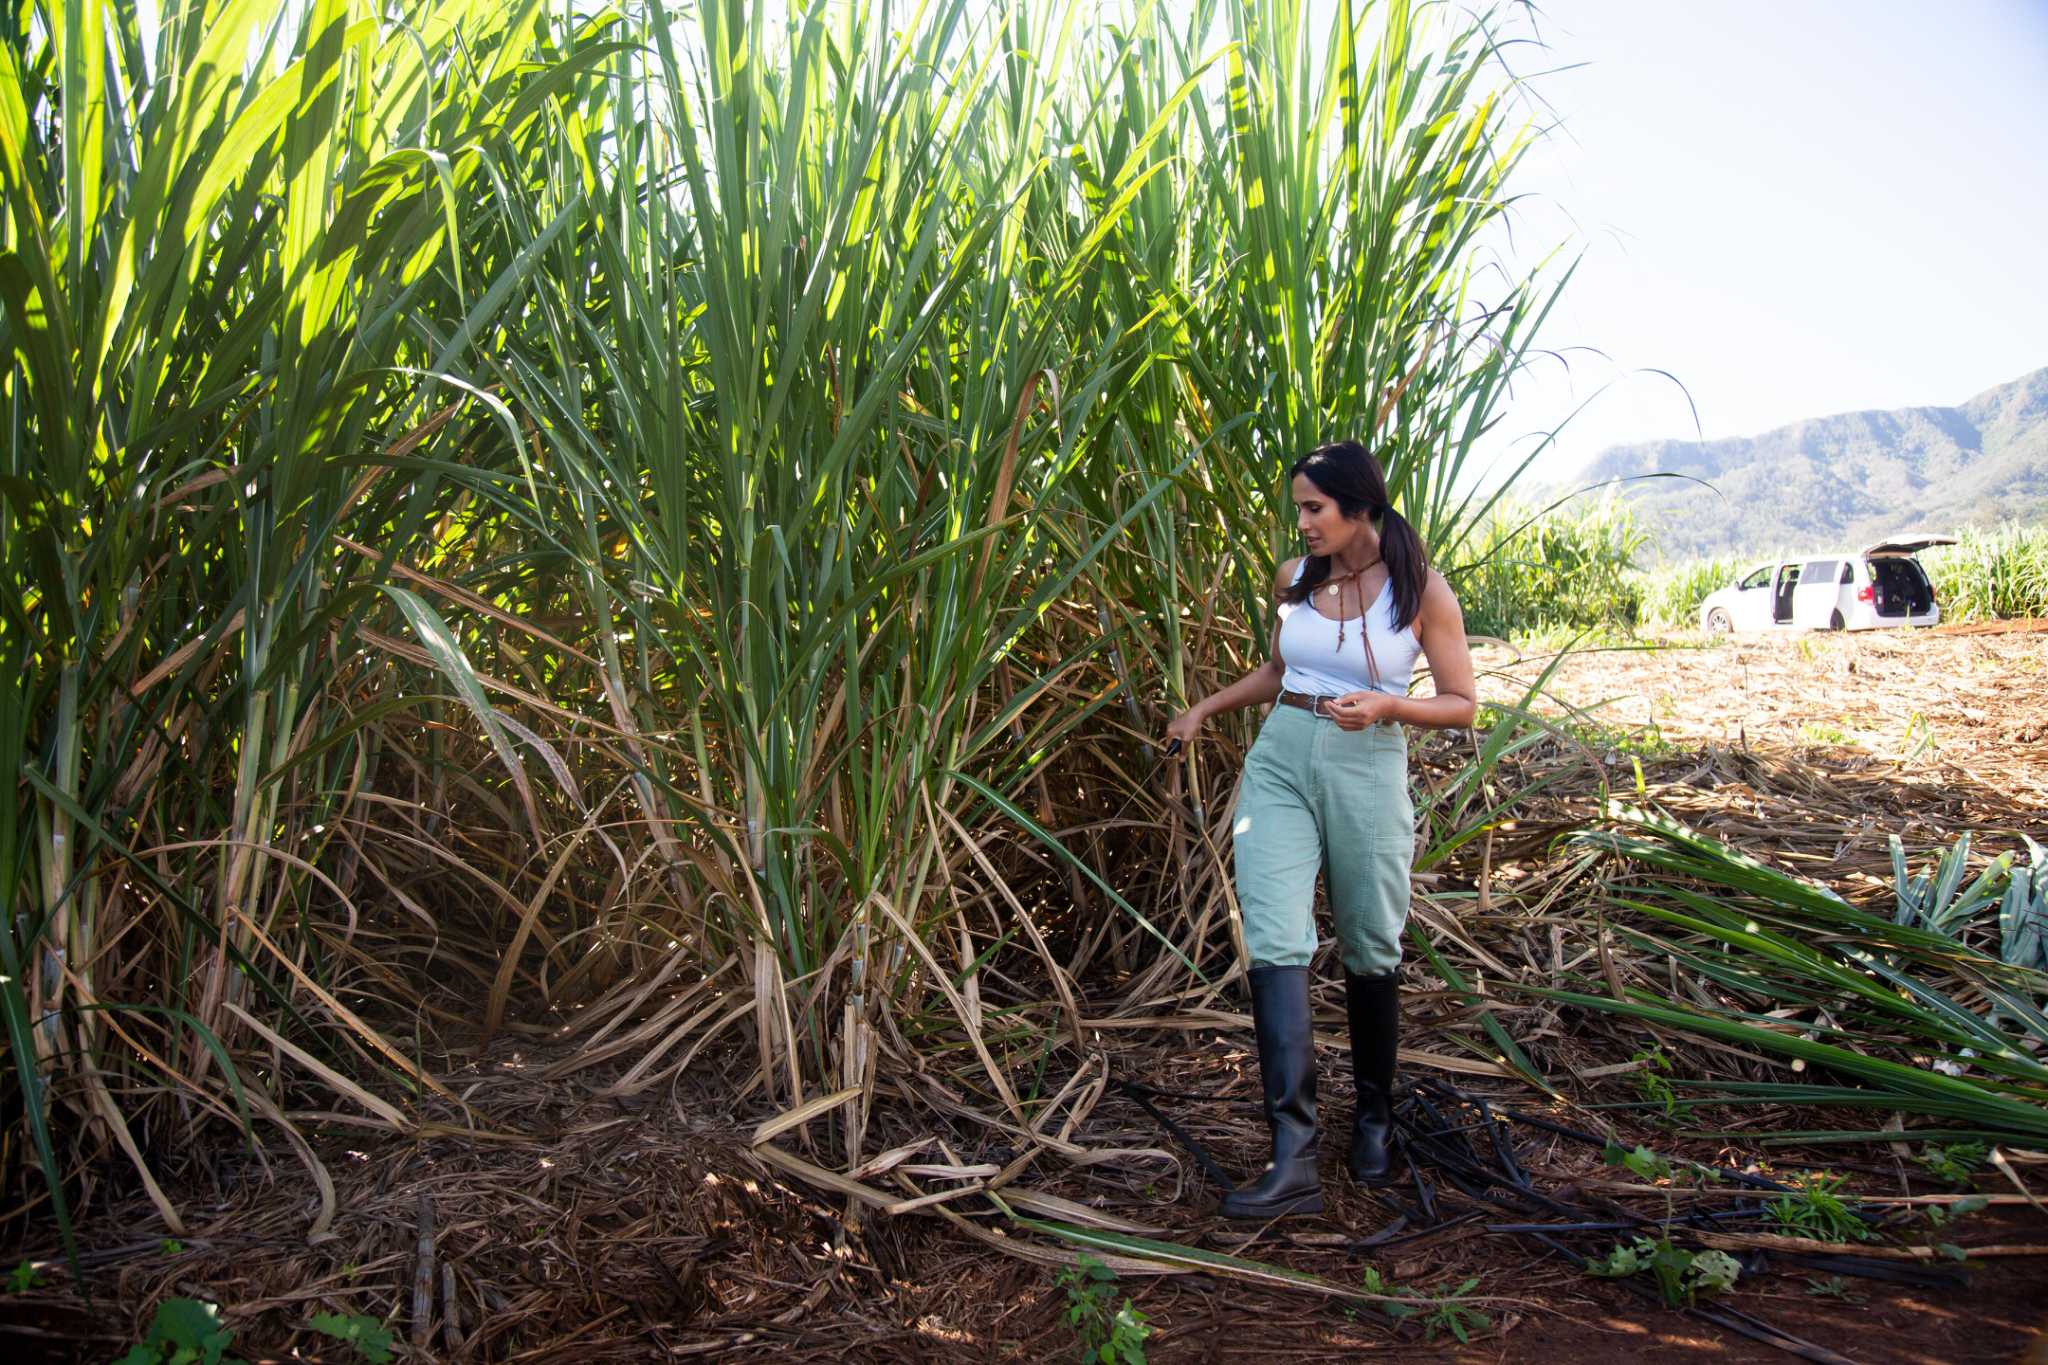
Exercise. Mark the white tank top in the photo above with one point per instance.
(1315, 665)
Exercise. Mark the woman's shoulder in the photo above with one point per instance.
(1286, 573)
(1439, 598)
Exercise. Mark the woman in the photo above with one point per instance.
(1326, 788)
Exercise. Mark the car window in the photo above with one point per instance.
(1818, 571)
(1757, 579)
(1848, 573)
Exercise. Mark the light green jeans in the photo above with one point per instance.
(1315, 798)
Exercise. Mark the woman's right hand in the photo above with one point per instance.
(1181, 729)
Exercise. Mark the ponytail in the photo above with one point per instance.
(1407, 565)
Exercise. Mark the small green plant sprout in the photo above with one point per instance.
(169, 1246)
(1652, 1081)
(1940, 1217)
(1642, 1161)
(1715, 1272)
(1919, 738)
(184, 1332)
(1377, 1284)
(1109, 1336)
(1833, 1287)
(23, 1278)
(1682, 1276)
(1817, 1211)
(1953, 1164)
(370, 1337)
(1396, 1305)
(1817, 734)
(1438, 1313)
(1452, 1314)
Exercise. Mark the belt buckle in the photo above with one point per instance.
(1315, 707)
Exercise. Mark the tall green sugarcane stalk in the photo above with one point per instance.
(839, 434)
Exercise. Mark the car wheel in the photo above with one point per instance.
(1836, 622)
(1717, 621)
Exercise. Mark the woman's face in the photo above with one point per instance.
(1324, 528)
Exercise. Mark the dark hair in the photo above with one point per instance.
(1348, 474)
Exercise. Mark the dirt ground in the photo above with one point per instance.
(579, 1227)
(1958, 704)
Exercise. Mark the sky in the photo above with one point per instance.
(1792, 208)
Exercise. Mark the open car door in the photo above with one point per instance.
(1817, 593)
(1783, 585)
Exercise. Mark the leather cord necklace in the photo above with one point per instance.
(1336, 587)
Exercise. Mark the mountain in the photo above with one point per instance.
(1843, 481)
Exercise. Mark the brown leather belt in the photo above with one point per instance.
(1311, 704)
(1315, 705)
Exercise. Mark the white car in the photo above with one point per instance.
(1882, 586)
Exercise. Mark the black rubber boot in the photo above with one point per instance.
(1374, 1005)
(1287, 1071)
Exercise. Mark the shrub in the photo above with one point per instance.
(1672, 593)
(1571, 569)
(1991, 575)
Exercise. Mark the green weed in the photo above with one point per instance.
(1941, 1216)
(1644, 1162)
(1954, 1163)
(369, 1336)
(23, 1278)
(1919, 738)
(1682, 1276)
(1645, 740)
(1437, 1313)
(1816, 1210)
(1109, 1335)
(184, 1332)
(1654, 1084)
(1450, 1314)
(1833, 1287)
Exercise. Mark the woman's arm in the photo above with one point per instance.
(1255, 688)
(1441, 625)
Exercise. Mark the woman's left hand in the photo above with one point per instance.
(1356, 710)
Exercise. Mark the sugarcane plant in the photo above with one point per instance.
(1899, 1017)
(1937, 899)
(2023, 912)
(670, 526)
(232, 300)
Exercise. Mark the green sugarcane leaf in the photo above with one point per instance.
(446, 650)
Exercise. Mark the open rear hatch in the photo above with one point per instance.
(1907, 543)
(1899, 586)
